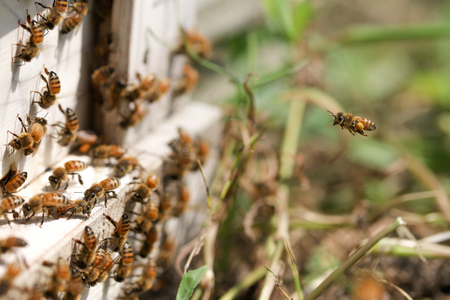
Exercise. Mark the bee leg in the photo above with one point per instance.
(351, 132)
(43, 218)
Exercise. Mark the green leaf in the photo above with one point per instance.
(189, 282)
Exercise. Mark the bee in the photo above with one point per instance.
(77, 11)
(104, 47)
(166, 252)
(195, 42)
(45, 202)
(12, 271)
(53, 87)
(201, 152)
(107, 151)
(101, 258)
(68, 132)
(12, 181)
(70, 168)
(38, 128)
(188, 81)
(74, 286)
(102, 189)
(161, 87)
(32, 48)
(125, 264)
(103, 75)
(11, 242)
(121, 230)
(125, 165)
(55, 15)
(145, 280)
(76, 207)
(85, 140)
(24, 140)
(134, 117)
(146, 219)
(183, 197)
(144, 189)
(166, 205)
(352, 123)
(104, 272)
(151, 237)
(9, 204)
(59, 280)
(86, 255)
(182, 158)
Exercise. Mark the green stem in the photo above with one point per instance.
(354, 258)
(248, 281)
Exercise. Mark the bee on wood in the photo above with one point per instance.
(10, 243)
(103, 75)
(9, 204)
(70, 168)
(76, 13)
(125, 264)
(80, 206)
(53, 87)
(121, 230)
(12, 271)
(11, 182)
(85, 257)
(29, 140)
(102, 189)
(101, 258)
(105, 270)
(32, 47)
(187, 82)
(125, 165)
(55, 14)
(44, 202)
(68, 133)
(352, 123)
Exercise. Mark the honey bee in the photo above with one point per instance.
(166, 205)
(59, 280)
(76, 12)
(12, 181)
(195, 42)
(144, 189)
(146, 219)
(85, 140)
(74, 286)
(161, 87)
(53, 87)
(188, 81)
(45, 202)
(32, 48)
(103, 75)
(151, 237)
(68, 132)
(76, 207)
(145, 280)
(55, 15)
(125, 264)
(102, 189)
(107, 151)
(352, 123)
(87, 254)
(27, 139)
(9, 204)
(201, 152)
(104, 272)
(134, 117)
(11, 242)
(183, 157)
(120, 232)
(183, 198)
(166, 251)
(101, 258)
(70, 168)
(125, 165)
(12, 271)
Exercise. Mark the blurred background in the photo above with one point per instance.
(387, 61)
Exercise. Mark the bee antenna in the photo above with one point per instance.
(331, 113)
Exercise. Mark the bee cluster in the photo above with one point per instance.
(136, 248)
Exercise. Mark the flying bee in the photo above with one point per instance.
(11, 182)
(151, 237)
(144, 189)
(125, 264)
(9, 204)
(70, 168)
(11, 242)
(45, 202)
(12, 271)
(102, 189)
(146, 219)
(183, 197)
(121, 231)
(55, 14)
(107, 151)
(166, 251)
(195, 42)
(59, 280)
(86, 255)
(352, 123)
(145, 280)
(32, 48)
(201, 152)
(74, 286)
(86, 140)
(53, 87)
(188, 81)
(68, 132)
(125, 165)
(103, 75)
(76, 13)
(161, 87)
(134, 117)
